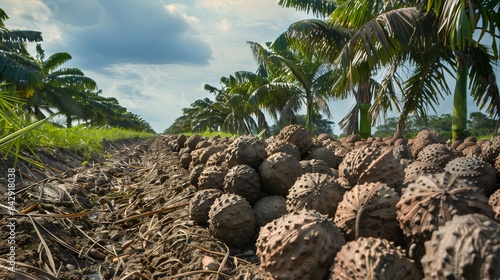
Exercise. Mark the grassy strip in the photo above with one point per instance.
(85, 140)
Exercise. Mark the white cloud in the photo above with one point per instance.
(224, 25)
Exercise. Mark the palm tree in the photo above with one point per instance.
(17, 67)
(202, 115)
(431, 37)
(63, 89)
(327, 41)
(232, 99)
(302, 77)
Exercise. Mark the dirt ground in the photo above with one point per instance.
(124, 216)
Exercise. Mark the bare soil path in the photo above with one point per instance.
(123, 217)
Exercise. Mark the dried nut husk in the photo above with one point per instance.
(278, 173)
(315, 191)
(247, 150)
(192, 141)
(423, 139)
(202, 144)
(217, 159)
(297, 135)
(475, 170)
(200, 204)
(269, 208)
(371, 164)
(208, 151)
(243, 180)
(181, 140)
(434, 199)
(494, 201)
(466, 247)
(232, 220)
(298, 245)
(491, 149)
(276, 146)
(373, 258)
(325, 154)
(437, 153)
(355, 162)
(402, 152)
(185, 160)
(212, 177)
(367, 210)
(194, 174)
(418, 168)
(316, 166)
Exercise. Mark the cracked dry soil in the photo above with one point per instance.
(122, 217)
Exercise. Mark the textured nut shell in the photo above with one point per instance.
(278, 173)
(192, 141)
(424, 138)
(401, 152)
(385, 169)
(373, 258)
(434, 199)
(418, 168)
(437, 153)
(494, 201)
(468, 247)
(374, 204)
(355, 162)
(194, 174)
(325, 154)
(185, 160)
(246, 150)
(269, 208)
(212, 177)
(200, 204)
(491, 149)
(298, 245)
(297, 135)
(475, 170)
(217, 159)
(315, 191)
(276, 146)
(315, 166)
(243, 180)
(232, 220)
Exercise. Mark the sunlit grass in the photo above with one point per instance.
(86, 141)
(207, 133)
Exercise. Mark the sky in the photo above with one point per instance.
(156, 56)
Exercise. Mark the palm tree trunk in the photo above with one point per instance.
(365, 126)
(459, 116)
(365, 123)
(69, 121)
(309, 113)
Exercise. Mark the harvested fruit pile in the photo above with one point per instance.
(285, 207)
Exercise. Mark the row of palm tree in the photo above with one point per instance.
(42, 87)
(388, 55)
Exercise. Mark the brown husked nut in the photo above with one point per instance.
(94, 253)
(122, 257)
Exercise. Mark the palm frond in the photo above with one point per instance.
(56, 60)
(20, 36)
(483, 84)
(19, 70)
(320, 8)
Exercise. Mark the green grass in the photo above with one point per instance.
(83, 140)
(207, 133)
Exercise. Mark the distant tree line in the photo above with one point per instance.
(478, 124)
